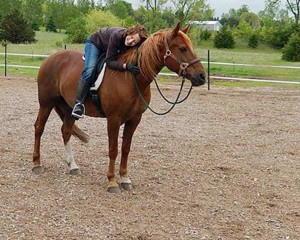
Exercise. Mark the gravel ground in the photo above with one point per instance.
(223, 165)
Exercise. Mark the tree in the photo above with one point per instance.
(152, 20)
(243, 30)
(98, 18)
(122, 10)
(84, 6)
(76, 32)
(279, 35)
(251, 18)
(292, 5)
(233, 17)
(224, 39)
(62, 11)
(15, 29)
(50, 26)
(154, 5)
(253, 41)
(291, 51)
(32, 10)
(7, 6)
(187, 10)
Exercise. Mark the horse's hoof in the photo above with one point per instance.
(126, 186)
(113, 189)
(37, 169)
(75, 171)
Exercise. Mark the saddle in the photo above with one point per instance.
(98, 76)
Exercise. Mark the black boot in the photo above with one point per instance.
(82, 92)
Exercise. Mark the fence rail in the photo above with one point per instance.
(5, 65)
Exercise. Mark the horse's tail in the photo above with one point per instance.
(76, 131)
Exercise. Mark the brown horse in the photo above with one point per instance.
(59, 75)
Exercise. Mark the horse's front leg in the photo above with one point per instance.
(39, 126)
(129, 129)
(113, 128)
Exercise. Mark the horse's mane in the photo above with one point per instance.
(150, 55)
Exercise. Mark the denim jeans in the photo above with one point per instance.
(92, 53)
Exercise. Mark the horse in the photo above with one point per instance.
(60, 73)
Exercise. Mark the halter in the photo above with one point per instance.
(182, 65)
(182, 73)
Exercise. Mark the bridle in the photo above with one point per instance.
(182, 72)
(182, 65)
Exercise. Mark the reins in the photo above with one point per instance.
(173, 103)
(182, 72)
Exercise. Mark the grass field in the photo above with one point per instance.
(51, 42)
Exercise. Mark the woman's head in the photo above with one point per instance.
(135, 35)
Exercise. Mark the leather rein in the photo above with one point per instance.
(182, 72)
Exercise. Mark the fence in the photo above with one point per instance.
(208, 62)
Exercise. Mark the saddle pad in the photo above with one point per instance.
(99, 79)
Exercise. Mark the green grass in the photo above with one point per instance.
(52, 42)
(47, 43)
(250, 84)
(262, 57)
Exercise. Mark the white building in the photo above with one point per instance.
(208, 25)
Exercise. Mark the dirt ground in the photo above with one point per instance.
(225, 164)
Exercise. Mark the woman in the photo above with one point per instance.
(110, 40)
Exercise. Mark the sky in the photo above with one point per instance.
(223, 6)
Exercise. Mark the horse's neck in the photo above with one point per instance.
(151, 63)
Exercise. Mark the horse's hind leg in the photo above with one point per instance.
(66, 130)
(39, 126)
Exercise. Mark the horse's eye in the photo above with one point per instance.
(182, 49)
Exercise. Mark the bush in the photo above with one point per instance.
(97, 19)
(76, 30)
(253, 41)
(50, 26)
(291, 51)
(15, 29)
(279, 36)
(205, 35)
(224, 39)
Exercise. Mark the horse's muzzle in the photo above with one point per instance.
(198, 79)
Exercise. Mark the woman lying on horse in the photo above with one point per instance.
(110, 40)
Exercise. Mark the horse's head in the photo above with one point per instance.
(181, 58)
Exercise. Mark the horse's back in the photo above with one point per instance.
(58, 63)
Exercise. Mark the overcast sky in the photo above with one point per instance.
(223, 6)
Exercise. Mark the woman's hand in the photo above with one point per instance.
(132, 68)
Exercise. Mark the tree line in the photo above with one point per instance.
(277, 25)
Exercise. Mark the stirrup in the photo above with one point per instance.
(78, 113)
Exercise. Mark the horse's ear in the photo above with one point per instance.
(175, 30)
(186, 29)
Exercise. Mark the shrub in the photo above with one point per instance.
(291, 51)
(50, 26)
(76, 30)
(205, 35)
(253, 41)
(224, 39)
(15, 29)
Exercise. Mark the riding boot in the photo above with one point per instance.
(82, 92)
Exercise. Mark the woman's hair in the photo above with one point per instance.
(140, 29)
